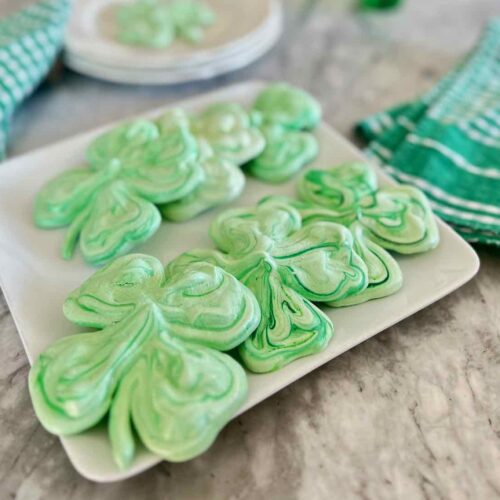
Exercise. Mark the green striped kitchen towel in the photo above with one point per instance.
(29, 42)
(447, 142)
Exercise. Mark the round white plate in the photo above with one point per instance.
(91, 34)
(169, 75)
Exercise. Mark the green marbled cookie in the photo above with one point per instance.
(397, 218)
(156, 24)
(288, 265)
(222, 182)
(154, 365)
(110, 206)
(172, 120)
(227, 138)
(145, 23)
(286, 152)
(287, 106)
(190, 18)
(384, 274)
(230, 131)
(286, 114)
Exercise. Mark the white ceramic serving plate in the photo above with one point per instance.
(171, 75)
(92, 32)
(35, 280)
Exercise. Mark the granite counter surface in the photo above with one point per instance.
(413, 413)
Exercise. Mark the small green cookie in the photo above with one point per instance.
(230, 132)
(145, 23)
(227, 138)
(286, 113)
(154, 366)
(397, 218)
(290, 107)
(286, 152)
(156, 24)
(384, 274)
(222, 182)
(190, 18)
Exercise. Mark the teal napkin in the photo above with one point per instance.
(447, 142)
(29, 42)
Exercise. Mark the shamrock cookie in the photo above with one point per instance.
(290, 107)
(397, 218)
(286, 113)
(383, 272)
(156, 23)
(286, 152)
(145, 23)
(230, 131)
(288, 266)
(222, 182)
(190, 18)
(227, 138)
(110, 206)
(155, 364)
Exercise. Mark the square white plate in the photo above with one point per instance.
(35, 280)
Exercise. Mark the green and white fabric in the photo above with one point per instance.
(29, 42)
(447, 142)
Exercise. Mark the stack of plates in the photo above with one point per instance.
(243, 31)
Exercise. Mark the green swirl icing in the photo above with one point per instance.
(397, 218)
(230, 132)
(185, 164)
(286, 152)
(190, 17)
(287, 106)
(156, 24)
(384, 276)
(154, 365)
(145, 23)
(286, 114)
(222, 182)
(288, 265)
(227, 138)
(110, 207)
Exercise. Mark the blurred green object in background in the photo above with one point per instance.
(378, 4)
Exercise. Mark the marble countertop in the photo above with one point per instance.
(413, 413)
